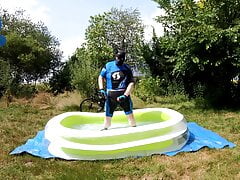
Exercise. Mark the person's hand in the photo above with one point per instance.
(102, 92)
(121, 98)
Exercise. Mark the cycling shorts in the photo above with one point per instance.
(112, 103)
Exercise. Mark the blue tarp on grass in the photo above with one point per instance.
(199, 138)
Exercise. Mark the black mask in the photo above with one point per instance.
(120, 58)
(119, 62)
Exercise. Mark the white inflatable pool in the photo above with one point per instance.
(77, 135)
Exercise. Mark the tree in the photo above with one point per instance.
(84, 72)
(156, 55)
(31, 50)
(117, 29)
(206, 38)
(125, 30)
(5, 77)
(60, 80)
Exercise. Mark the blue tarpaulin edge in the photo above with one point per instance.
(199, 138)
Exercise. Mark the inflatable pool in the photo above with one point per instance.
(77, 135)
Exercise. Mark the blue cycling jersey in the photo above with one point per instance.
(117, 77)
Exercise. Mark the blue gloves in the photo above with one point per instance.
(121, 98)
(102, 92)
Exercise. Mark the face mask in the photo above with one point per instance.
(119, 62)
(120, 57)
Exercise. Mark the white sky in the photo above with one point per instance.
(67, 20)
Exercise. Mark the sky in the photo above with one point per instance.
(67, 20)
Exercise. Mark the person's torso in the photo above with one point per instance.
(117, 77)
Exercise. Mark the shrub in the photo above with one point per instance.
(84, 78)
(61, 80)
(43, 87)
(149, 87)
(25, 91)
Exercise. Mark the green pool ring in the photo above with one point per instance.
(77, 135)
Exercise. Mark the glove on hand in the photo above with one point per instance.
(102, 92)
(121, 98)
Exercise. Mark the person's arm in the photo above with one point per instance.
(129, 89)
(101, 81)
(127, 92)
(131, 83)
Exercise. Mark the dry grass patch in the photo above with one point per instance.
(67, 99)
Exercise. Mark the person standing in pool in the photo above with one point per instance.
(119, 81)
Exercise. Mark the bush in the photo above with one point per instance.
(220, 96)
(5, 77)
(149, 87)
(43, 87)
(25, 91)
(173, 88)
(84, 78)
(61, 80)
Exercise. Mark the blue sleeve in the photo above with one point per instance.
(103, 72)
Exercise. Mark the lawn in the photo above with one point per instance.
(24, 118)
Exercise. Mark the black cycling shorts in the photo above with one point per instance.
(112, 103)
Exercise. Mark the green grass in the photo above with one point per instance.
(22, 121)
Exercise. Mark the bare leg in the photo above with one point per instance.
(107, 122)
(131, 120)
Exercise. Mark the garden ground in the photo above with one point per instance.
(25, 117)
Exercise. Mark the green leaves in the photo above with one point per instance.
(205, 37)
(5, 75)
(107, 32)
(31, 50)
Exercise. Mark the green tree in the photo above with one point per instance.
(117, 29)
(206, 39)
(125, 30)
(5, 77)
(156, 55)
(31, 50)
(84, 72)
(60, 80)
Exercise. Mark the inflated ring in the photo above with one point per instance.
(77, 135)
